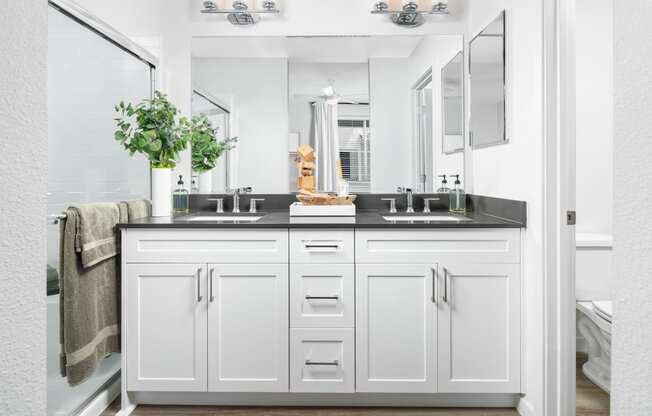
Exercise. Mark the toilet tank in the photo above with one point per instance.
(593, 266)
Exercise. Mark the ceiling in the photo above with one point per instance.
(307, 49)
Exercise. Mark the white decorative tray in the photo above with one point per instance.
(298, 209)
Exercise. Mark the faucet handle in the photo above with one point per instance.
(392, 204)
(219, 209)
(426, 204)
(245, 189)
(403, 190)
(252, 204)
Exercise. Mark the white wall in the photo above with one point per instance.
(632, 337)
(515, 170)
(23, 136)
(165, 32)
(594, 137)
(258, 88)
(391, 124)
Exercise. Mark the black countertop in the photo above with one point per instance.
(363, 219)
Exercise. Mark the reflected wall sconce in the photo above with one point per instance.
(241, 13)
(409, 13)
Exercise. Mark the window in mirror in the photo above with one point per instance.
(487, 73)
(453, 105)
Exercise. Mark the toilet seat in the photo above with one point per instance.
(603, 308)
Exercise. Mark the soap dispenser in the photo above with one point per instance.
(444, 189)
(457, 197)
(180, 198)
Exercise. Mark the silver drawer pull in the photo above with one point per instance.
(210, 277)
(322, 246)
(446, 276)
(334, 297)
(199, 296)
(333, 363)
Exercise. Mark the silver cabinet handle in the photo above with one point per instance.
(334, 297)
(333, 246)
(210, 285)
(445, 285)
(333, 363)
(434, 284)
(199, 297)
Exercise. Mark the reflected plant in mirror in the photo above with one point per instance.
(487, 72)
(206, 149)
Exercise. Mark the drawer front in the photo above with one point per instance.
(442, 246)
(206, 246)
(322, 295)
(319, 246)
(321, 360)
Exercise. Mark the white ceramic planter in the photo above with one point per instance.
(206, 182)
(161, 192)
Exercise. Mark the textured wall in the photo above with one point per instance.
(23, 135)
(632, 337)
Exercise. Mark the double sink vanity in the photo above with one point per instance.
(376, 303)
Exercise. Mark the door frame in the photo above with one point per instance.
(559, 198)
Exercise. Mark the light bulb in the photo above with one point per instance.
(241, 4)
(439, 5)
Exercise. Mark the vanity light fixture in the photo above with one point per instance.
(410, 14)
(241, 14)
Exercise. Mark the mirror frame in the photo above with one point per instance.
(461, 149)
(505, 138)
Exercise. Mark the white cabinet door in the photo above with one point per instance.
(479, 328)
(166, 327)
(248, 324)
(396, 330)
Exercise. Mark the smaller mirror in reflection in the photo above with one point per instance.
(487, 72)
(453, 105)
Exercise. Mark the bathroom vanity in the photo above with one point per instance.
(349, 305)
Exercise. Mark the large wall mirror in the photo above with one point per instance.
(487, 74)
(452, 86)
(365, 102)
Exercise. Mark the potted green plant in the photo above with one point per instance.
(206, 150)
(153, 128)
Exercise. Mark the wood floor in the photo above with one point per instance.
(591, 401)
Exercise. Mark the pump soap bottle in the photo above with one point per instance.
(444, 186)
(180, 198)
(457, 198)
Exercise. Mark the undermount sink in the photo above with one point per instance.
(224, 218)
(430, 218)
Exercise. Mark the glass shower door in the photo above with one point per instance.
(87, 75)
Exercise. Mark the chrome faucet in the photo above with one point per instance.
(409, 197)
(236, 197)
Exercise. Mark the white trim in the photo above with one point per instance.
(559, 197)
(102, 401)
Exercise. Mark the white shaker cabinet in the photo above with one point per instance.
(248, 328)
(479, 328)
(166, 327)
(396, 327)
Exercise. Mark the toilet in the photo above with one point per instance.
(594, 324)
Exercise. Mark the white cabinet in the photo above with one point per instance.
(248, 328)
(479, 328)
(166, 327)
(396, 321)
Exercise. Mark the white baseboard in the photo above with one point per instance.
(525, 407)
(102, 400)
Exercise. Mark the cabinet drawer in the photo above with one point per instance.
(322, 295)
(442, 246)
(319, 246)
(206, 246)
(321, 360)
